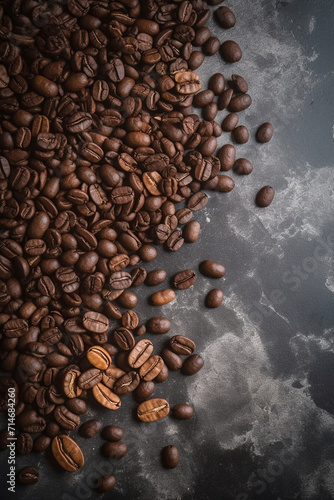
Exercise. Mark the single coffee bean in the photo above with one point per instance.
(98, 357)
(112, 433)
(41, 443)
(265, 132)
(77, 406)
(151, 368)
(24, 443)
(224, 99)
(170, 457)
(153, 409)
(140, 353)
(106, 397)
(212, 269)
(214, 298)
(240, 134)
(184, 279)
(240, 102)
(106, 483)
(65, 418)
(158, 324)
(225, 184)
(230, 51)
(127, 299)
(127, 383)
(182, 411)
(90, 428)
(155, 277)
(230, 122)
(163, 375)
(265, 196)
(211, 46)
(28, 475)
(144, 390)
(172, 360)
(95, 322)
(239, 84)
(217, 83)
(243, 166)
(114, 449)
(227, 156)
(124, 338)
(203, 98)
(191, 231)
(67, 453)
(163, 297)
(69, 384)
(225, 17)
(192, 364)
(120, 280)
(89, 378)
(182, 345)
(130, 320)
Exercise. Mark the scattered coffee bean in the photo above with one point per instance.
(158, 324)
(227, 157)
(182, 411)
(90, 428)
(114, 449)
(192, 364)
(182, 345)
(106, 483)
(214, 298)
(28, 475)
(265, 196)
(225, 184)
(242, 166)
(217, 83)
(112, 433)
(265, 132)
(225, 17)
(241, 134)
(163, 297)
(170, 457)
(67, 453)
(153, 409)
(184, 279)
(230, 51)
(155, 277)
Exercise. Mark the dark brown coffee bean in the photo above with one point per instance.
(184, 279)
(90, 428)
(239, 84)
(227, 156)
(211, 46)
(24, 443)
(230, 51)
(153, 409)
(144, 390)
(89, 378)
(230, 122)
(170, 457)
(192, 364)
(217, 83)
(28, 475)
(225, 17)
(158, 325)
(112, 433)
(202, 35)
(124, 338)
(70, 383)
(240, 102)
(197, 201)
(127, 383)
(113, 373)
(155, 277)
(212, 269)
(265, 196)
(240, 134)
(67, 453)
(95, 322)
(191, 231)
(130, 320)
(182, 411)
(224, 99)
(265, 132)
(214, 298)
(203, 98)
(225, 184)
(114, 449)
(151, 368)
(163, 297)
(182, 345)
(172, 360)
(106, 483)
(65, 418)
(243, 166)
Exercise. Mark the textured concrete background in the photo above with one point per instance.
(263, 425)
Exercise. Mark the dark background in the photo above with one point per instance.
(263, 425)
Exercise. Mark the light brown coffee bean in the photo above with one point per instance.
(67, 453)
(153, 409)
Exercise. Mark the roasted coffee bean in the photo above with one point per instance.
(65, 418)
(155, 277)
(182, 411)
(127, 383)
(130, 320)
(153, 409)
(28, 475)
(197, 201)
(217, 83)
(265, 132)
(90, 428)
(182, 345)
(138, 276)
(191, 231)
(240, 102)
(140, 353)
(265, 196)
(240, 134)
(124, 338)
(225, 184)
(170, 457)
(120, 280)
(230, 51)
(114, 449)
(212, 269)
(106, 397)
(95, 322)
(70, 385)
(203, 98)
(24, 443)
(67, 453)
(211, 46)
(98, 357)
(225, 17)
(163, 297)
(171, 359)
(242, 166)
(239, 84)
(106, 483)
(227, 156)
(151, 368)
(144, 390)
(127, 299)
(163, 375)
(77, 406)
(184, 279)
(214, 298)
(29, 421)
(158, 324)
(192, 364)
(89, 378)
(112, 433)
(230, 122)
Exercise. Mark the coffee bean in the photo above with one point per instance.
(265, 132)
(239, 84)
(151, 368)
(67, 453)
(230, 51)
(112, 433)
(130, 320)
(240, 134)
(24, 443)
(265, 196)
(243, 166)
(192, 364)
(95, 322)
(155, 277)
(170, 457)
(240, 102)
(182, 411)
(106, 483)
(140, 353)
(227, 157)
(106, 397)
(70, 385)
(127, 383)
(203, 98)
(28, 475)
(214, 298)
(230, 122)
(225, 184)
(217, 83)
(98, 357)
(128, 299)
(225, 17)
(65, 418)
(212, 269)
(90, 428)
(191, 231)
(124, 338)
(211, 46)
(182, 345)
(158, 325)
(184, 279)
(144, 390)
(163, 297)
(153, 409)
(114, 449)
(172, 360)
(41, 443)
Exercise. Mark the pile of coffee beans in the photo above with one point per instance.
(99, 143)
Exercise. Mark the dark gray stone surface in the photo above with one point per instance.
(263, 425)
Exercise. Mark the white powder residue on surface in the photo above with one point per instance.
(312, 24)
